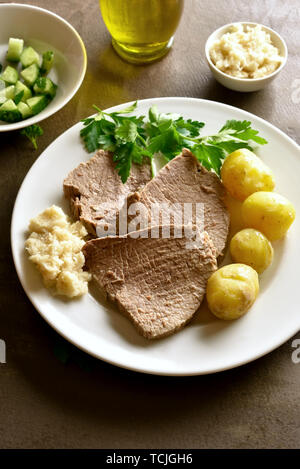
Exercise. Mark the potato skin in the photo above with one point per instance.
(232, 290)
(251, 247)
(243, 173)
(234, 208)
(270, 213)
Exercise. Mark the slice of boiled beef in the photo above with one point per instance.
(157, 283)
(95, 189)
(184, 180)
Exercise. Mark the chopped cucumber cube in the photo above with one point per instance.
(47, 62)
(10, 75)
(15, 48)
(24, 110)
(29, 95)
(21, 87)
(37, 103)
(9, 112)
(45, 86)
(8, 93)
(29, 56)
(30, 74)
(18, 97)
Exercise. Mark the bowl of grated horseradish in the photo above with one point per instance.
(245, 56)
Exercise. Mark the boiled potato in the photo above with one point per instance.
(243, 173)
(232, 290)
(270, 213)
(251, 247)
(234, 208)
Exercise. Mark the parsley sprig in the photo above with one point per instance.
(32, 132)
(131, 139)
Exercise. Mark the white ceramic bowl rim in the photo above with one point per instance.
(246, 80)
(69, 96)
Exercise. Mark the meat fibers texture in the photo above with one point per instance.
(158, 283)
(94, 188)
(185, 180)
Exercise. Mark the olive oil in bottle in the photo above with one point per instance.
(142, 30)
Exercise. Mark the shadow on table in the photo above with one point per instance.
(251, 102)
(107, 78)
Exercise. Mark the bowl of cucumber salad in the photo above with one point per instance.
(42, 64)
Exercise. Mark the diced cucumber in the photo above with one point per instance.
(10, 75)
(28, 95)
(21, 87)
(8, 93)
(30, 74)
(45, 86)
(9, 112)
(18, 97)
(37, 103)
(15, 48)
(29, 56)
(47, 62)
(24, 110)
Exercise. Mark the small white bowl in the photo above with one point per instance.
(245, 84)
(44, 31)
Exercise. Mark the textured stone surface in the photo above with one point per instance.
(46, 404)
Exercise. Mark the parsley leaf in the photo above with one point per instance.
(210, 156)
(127, 110)
(90, 135)
(123, 159)
(131, 139)
(126, 131)
(241, 130)
(121, 134)
(32, 132)
(189, 128)
(232, 136)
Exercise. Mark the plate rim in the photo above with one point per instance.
(149, 371)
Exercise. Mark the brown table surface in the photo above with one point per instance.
(45, 403)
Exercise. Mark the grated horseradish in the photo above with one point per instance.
(54, 246)
(245, 52)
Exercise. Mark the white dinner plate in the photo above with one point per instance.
(207, 344)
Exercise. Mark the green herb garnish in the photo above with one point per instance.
(32, 132)
(131, 139)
